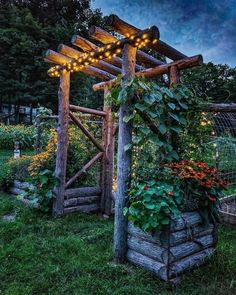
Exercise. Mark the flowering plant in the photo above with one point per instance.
(201, 185)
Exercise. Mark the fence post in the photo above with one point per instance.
(108, 159)
(124, 158)
(62, 144)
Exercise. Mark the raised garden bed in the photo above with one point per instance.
(228, 210)
(184, 244)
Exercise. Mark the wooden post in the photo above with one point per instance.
(124, 158)
(62, 145)
(108, 159)
(174, 78)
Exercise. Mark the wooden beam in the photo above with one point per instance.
(74, 108)
(107, 161)
(56, 57)
(91, 70)
(86, 132)
(62, 145)
(220, 107)
(124, 158)
(125, 29)
(88, 46)
(82, 192)
(84, 169)
(106, 38)
(73, 53)
(159, 70)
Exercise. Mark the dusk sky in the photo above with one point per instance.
(204, 27)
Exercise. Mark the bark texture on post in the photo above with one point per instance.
(174, 78)
(124, 159)
(62, 145)
(108, 159)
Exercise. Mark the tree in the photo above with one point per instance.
(215, 81)
(25, 34)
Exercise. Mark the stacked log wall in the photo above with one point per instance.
(185, 243)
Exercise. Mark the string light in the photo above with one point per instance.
(86, 59)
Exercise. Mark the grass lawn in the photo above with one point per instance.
(73, 255)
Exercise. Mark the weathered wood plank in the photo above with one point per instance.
(16, 191)
(62, 145)
(221, 107)
(148, 249)
(152, 265)
(124, 158)
(82, 200)
(187, 219)
(189, 262)
(82, 192)
(190, 247)
(22, 185)
(90, 208)
(163, 238)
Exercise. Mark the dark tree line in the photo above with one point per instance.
(27, 30)
(29, 27)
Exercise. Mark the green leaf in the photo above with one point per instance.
(163, 128)
(149, 99)
(140, 107)
(137, 139)
(122, 96)
(183, 105)
(127, 147)
(176, 129)
(125, 211)
(174, 116)
(152, 115)
(145, 130)
(171, 105)
(126, 119)
(168, 92)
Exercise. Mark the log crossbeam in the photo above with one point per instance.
(74, 108)
(159, 70)
(84, 169)
(141, 38)
(86, 132)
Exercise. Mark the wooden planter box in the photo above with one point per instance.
(228, 210)
(181, 246)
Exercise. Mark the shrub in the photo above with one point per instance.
(14, 169)
(11, 133)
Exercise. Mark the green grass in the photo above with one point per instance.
(73, 255)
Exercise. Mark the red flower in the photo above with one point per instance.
(146, 187)
(170, 193)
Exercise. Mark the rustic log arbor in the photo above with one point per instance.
(105, 60)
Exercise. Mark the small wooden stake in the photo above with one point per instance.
(124, 159)
(62, 145)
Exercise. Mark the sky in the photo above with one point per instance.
(206, 27)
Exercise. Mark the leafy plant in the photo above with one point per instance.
(41, 191)
(152, 203)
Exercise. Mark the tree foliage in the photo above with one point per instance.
(27, 30)
(215, 81)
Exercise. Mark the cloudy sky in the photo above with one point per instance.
(191, 26)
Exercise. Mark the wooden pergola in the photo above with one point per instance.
(111, 57)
